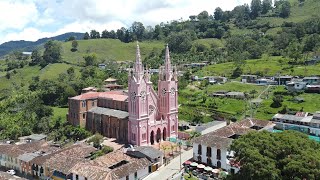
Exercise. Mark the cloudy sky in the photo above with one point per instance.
(34, 19)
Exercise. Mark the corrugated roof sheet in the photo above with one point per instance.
(110, 112)
(149, 151)
(28, 156)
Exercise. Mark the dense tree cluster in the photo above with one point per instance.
(285, 155)
(51, 54)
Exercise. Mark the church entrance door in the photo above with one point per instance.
(152, 137)
(158, 135)
(164, 134)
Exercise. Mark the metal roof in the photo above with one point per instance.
(110, 112)
(149, 151)
(27, 157)
(35, 137)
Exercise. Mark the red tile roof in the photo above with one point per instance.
(115, 95)
(88, 95)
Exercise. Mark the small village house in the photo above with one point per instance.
(212, 149)
(249, 78)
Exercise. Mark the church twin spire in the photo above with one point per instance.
(165, 73)
(138, 64)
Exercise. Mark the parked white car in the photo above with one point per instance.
(11, 172)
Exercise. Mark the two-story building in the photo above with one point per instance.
(212, 149)
(303, 122)
(102, 112)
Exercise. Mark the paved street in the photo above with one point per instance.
(167, 172)
(172, 168)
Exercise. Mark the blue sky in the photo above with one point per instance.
(34, 19)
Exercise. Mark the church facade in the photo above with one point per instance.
(142, 116)
(153, 116)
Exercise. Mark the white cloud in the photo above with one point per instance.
(17, 14)
(28, 34)
(83, 15)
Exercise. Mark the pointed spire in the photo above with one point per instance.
(138, 64)
(167, 59)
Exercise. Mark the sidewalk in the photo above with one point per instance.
(167, 172)
(172, 169)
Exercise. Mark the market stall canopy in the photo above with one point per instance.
(194, 164)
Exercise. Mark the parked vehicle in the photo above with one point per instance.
(11, 172)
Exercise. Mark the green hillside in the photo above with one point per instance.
(266, 66)
(258, 43)
(108, 49)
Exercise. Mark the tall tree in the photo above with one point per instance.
(121, 34)
(285, 9)
(266, 6)
(179, 42)
(86, 36)
(204, 15)
(255, 8)
(218, 14)
(294, 51)
(90, 59)
(113, 34)
(74, 45)
(311, 42)
(105, 34)
(94, 34)
(158, 34)
(137, 30)
(52, 52)
(283, 155)
(36, 57)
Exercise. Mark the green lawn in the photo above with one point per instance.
(23, 76)
(109, 49)
(59, 112)
(268, 66)
(52, 71)
(196, 101)
(234, 86)
(311, 104)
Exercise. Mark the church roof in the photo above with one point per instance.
(110, 112)
(116, 95)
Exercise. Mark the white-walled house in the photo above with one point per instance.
(303, 122)
(213, 151)
(296, 86)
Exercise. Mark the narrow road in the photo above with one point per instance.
(173, 167)
(266, 89)
(167, 172)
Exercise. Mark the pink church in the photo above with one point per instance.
(153, 116)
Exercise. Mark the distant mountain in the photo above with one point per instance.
(22, 45)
